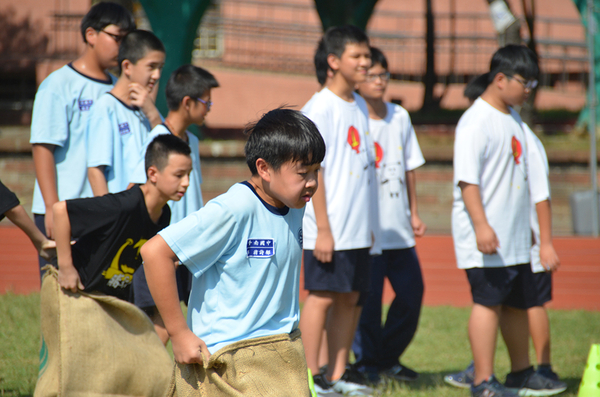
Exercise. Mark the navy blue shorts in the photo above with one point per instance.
(349, 271)
(142, 297)
(543, 283)
(510, 286)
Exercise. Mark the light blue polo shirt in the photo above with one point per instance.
(192, 199)
(61, 112)
(116, 135)
(245, 257)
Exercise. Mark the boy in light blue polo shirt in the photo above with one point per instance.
(188, 98)
(61, 112)
(244, 249)
(122, 118)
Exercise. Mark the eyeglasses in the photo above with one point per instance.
(116, 37)
(208, 104)
(527, 84)
(385, 76)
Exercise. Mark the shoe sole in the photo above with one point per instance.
(458, 384)
(537, 393)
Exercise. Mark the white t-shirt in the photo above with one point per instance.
(490, 151)
(61, 111)
(245, 257)
(396, 152)
(539, 190)
(348, 171)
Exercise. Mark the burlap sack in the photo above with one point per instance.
(270, 366)
(97, 345)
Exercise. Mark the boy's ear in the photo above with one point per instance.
(333, 61)
(126, 67)
(152, 174)
(91, 35)
(263, 169)
(186, 102)
(500, 80)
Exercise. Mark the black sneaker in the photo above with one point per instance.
(323, 387)
(400, 373)
(463, 379)
(546, 371)
(529, 383)
(491, 388)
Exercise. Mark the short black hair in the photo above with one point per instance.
(136, 44)
(476, 87)
(336, 38)
(283, 135)
(106, 13)
(377, 57)
(321, 64)
(158, 151)
(188, 80)
(514, 59)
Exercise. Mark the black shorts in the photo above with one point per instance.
(542, 281)
(348, 271)
(142, 297)
(510, 286)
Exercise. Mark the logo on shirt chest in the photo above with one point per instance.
(378, 154)
(85, 104)
(260, 248)
(517, 150)
(354, 139)
(124, 128)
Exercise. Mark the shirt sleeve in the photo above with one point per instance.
(413, 157)
(537, 167)
(99, 136)
(202, 238)
(470, 147)
(50, 118)
(8, 200)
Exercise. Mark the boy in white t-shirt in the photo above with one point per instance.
(244, 249)
(539, 188)
(377, 347)
(490, 224)
(122, 119)
(340, 223)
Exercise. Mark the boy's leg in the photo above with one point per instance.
(515, 332)
(539, 327)
(368, 337)
(404, 273)
(483, 329)
(312, 324)
(340, 331)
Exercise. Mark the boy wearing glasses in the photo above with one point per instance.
(61, 112)
(377, 347)
(491, 227)
(188, 98)
(122, 119)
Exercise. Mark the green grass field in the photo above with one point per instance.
(440, 347)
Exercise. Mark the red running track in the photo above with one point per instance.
(576, 284)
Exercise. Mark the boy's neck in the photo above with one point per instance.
(377, 108)
(121, 90)
(177, 124)
(342, 87)
(154, 201)
(493, 98)
(88, 65)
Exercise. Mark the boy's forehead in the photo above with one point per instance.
(357, 47)
(152, 56)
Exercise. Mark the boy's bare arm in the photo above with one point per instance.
(487, 241)
(145, 100)
(68, 277)
(45, 171)
(548, 256)
(45, 247)
(97, 180)
(325, 244)
(160, 274)
(411, 189)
